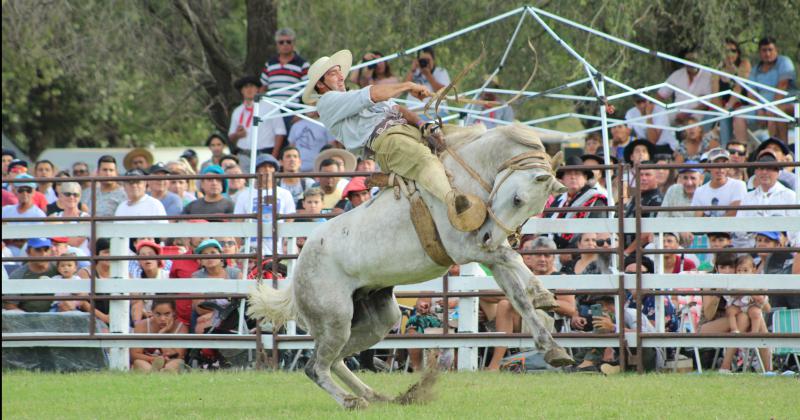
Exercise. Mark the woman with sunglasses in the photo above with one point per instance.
(732, 63)
(69, 201)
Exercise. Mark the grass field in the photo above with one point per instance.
(484, 395)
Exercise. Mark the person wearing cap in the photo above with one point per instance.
(768, 192)
(138, 203)
(247, 200)
(720, 190)
(648, 114)
(681, 193)
(190, 156)
(214, 200)
(355, 193)
(216, 143)
(290, 163)
(159, 189)
(137, 158)
(771, 262)
(211, 268)
(271, 131)
(36, 247)
(109, 193)
(782, 154)
(367, 120)
(25, 206)
(579, 194)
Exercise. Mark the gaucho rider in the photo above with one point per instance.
(367, 120)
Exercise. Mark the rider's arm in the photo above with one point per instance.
(380, 93)
(411, 117)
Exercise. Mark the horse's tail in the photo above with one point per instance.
(274, 305)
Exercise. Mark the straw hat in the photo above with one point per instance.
(128, 160)
(349, 159)
(343, 59)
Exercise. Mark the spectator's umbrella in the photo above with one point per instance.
(343, 59)
(349, 159)
(127, 162)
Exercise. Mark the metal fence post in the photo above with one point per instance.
(119, 311)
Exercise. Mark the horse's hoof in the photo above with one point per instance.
(355, 403)
(557, 357)
(545, 301)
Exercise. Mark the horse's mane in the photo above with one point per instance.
(458, 136)
(519, 133)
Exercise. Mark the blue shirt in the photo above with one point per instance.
(352, 116)
(782, 70)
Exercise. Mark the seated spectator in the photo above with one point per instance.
(102, 247)
(674, 263)
(374, 74)
(779, 72)
(593, 144)
(138, 158)
(732, 63)
(688, 79)
(45, 169)
(216, 143)
(159, 189)
(25, 207)
(599, 179)
(713, 319)
(366, 165)
(637, 151)
(651, 197)
(720, 190)
(649, 301)
(681, 193)
(214, 268)
(69, 200)
(109, 193)
(9, 199)
(235, 185)
(147, 269)
(231, 245)
(312, 204)
(57, 205)
(425, 72)
(228, 160)
(693, 143)
(183, 269)
(76, 245)
(782, 154)
(68, 270)
(213, 200)
(8, 156)
(643, 107)
(37, 247)
(587, 262)
(290, 163)
(345, 160)
(579, 194)
(664, 177)
(330, 184)
(163, 321)
(771, 262)
(183, 188)
(355, 194)
(309, 138)
(422, 319)
(190, 157)
(621, 137)
(139, 203)
(81, 169)
(738, 152)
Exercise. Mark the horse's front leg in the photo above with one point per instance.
(512, 279)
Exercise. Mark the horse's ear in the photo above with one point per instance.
(557, 160)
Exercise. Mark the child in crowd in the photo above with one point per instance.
(67, 269)
(751, 305)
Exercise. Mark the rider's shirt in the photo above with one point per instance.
(352, 116)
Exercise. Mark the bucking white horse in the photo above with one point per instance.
(342, 288)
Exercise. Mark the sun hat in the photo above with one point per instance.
(127, 161)
(208, 243)
(350, 160)
(343, 59)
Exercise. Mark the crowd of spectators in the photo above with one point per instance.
(303, 145)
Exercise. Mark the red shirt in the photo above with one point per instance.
(183, 269)
(39, 200)
(9, 198)
(682, 264)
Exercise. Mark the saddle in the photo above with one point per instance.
(421, 217)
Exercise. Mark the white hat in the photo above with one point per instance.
(343, 59)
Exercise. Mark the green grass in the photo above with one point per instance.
(483, 395)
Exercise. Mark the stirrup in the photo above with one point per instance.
(466, 212)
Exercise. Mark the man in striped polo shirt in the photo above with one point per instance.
(285, 69)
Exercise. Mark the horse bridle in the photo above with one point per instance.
(528, 160)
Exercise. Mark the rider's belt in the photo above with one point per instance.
(390, 121)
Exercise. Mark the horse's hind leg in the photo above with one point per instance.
(373, 317)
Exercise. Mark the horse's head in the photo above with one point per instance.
(520, 190)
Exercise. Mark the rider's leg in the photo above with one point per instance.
(400, 150)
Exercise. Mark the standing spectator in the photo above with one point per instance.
(329, 184)
(159, 189)
(309, 138)
(271, 131)
(213, 200)
(579, 194)
(235, 185)
(768, 191)
(37, 247)
(285, 69)
(138, 203)
(782, 154)
(721, 190)
(645, 108)
(25, 206)
(689, 79)
(651, 196)
(738, 152)
(109, 193)
(694, 144)
(374, 74)
(137, 158)
(290, 163)
(500, 111)
(163, 321)
(732, 63)
(777, 71)
(247, 201)
(45, 169)
(425, 72)
(216, 144)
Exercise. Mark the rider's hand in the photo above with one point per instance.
(420, 92)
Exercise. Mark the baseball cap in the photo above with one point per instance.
(772, 140)
(267, 159)
(718, 153)
(690, 162)
(189, 153)
(17, 165)
(59, 239)
(356, 184)
(775, 236)
(32, 185)
(39, 243)
(208, 243)
(135, 172)
(159, 168)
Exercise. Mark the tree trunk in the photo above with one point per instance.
(262, 22)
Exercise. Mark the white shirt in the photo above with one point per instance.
(248, 203)
(12, 211)
(699, 86)
(267, 129)
(778, 194)
(666, 137)
(146, 206)
(732, 190)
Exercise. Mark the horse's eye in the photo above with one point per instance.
(517, 201)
